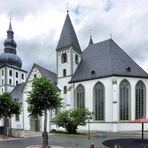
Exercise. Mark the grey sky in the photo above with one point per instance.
(37, 25)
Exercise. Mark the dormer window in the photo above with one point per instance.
(128, 69)
(64, 58)
(93, 72)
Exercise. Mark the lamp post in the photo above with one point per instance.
(88, 129)
(89, 116)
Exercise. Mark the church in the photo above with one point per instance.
(101, 78)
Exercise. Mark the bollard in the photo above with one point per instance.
(92, 146)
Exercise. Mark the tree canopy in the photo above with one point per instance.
(8, 106)
(44, 96)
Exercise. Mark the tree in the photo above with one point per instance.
(8, 107)
(71, 119)
(43, 97)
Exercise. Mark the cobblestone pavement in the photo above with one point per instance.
(67, 141)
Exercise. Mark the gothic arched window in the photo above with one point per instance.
(99, 100)
(80, 92)
(140, 99)
(124, 100)
(64, 58)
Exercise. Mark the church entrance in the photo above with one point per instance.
(35, 124)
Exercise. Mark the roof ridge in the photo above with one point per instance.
(39, 66)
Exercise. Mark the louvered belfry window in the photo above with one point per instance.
(64, 58)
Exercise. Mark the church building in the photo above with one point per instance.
(101, 78)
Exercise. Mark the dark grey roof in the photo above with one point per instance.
(10, 59)
(49, 74)
(106, 59)
(68, 36)
(17, 92)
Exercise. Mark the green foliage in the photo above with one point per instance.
(71, 119)
(44, 96)
(8, 106)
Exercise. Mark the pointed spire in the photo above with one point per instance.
(9, 43)
(10, 27)
(68, 36)
(9, 56)
(90, 41)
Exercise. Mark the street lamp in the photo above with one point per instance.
(89, 116)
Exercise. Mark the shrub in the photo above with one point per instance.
(71, 119)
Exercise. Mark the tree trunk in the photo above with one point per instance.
(6, 125)
(45, 134)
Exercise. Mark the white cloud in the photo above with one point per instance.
(37, 25)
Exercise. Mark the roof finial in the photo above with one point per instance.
(110, 35)
(90, 40)
(90, 32)
(10, 16)
(67, 7)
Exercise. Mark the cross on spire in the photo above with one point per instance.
(10, 16)
(67, 7)
(90, 32)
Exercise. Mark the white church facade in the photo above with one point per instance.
(102, 78)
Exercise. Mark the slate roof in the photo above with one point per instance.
(49, 74)
(68, 36)
(17, 91)
(105, 59)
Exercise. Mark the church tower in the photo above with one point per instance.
(68, 58)
(11, 73)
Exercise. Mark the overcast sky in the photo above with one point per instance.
(37, 25)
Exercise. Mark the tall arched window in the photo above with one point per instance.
(80, 92)
(64, 58)
(140, 99)
(10, 72)
(65, 89)
(124, 100)
(76, 59)
(99, 100)
(16, 74)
